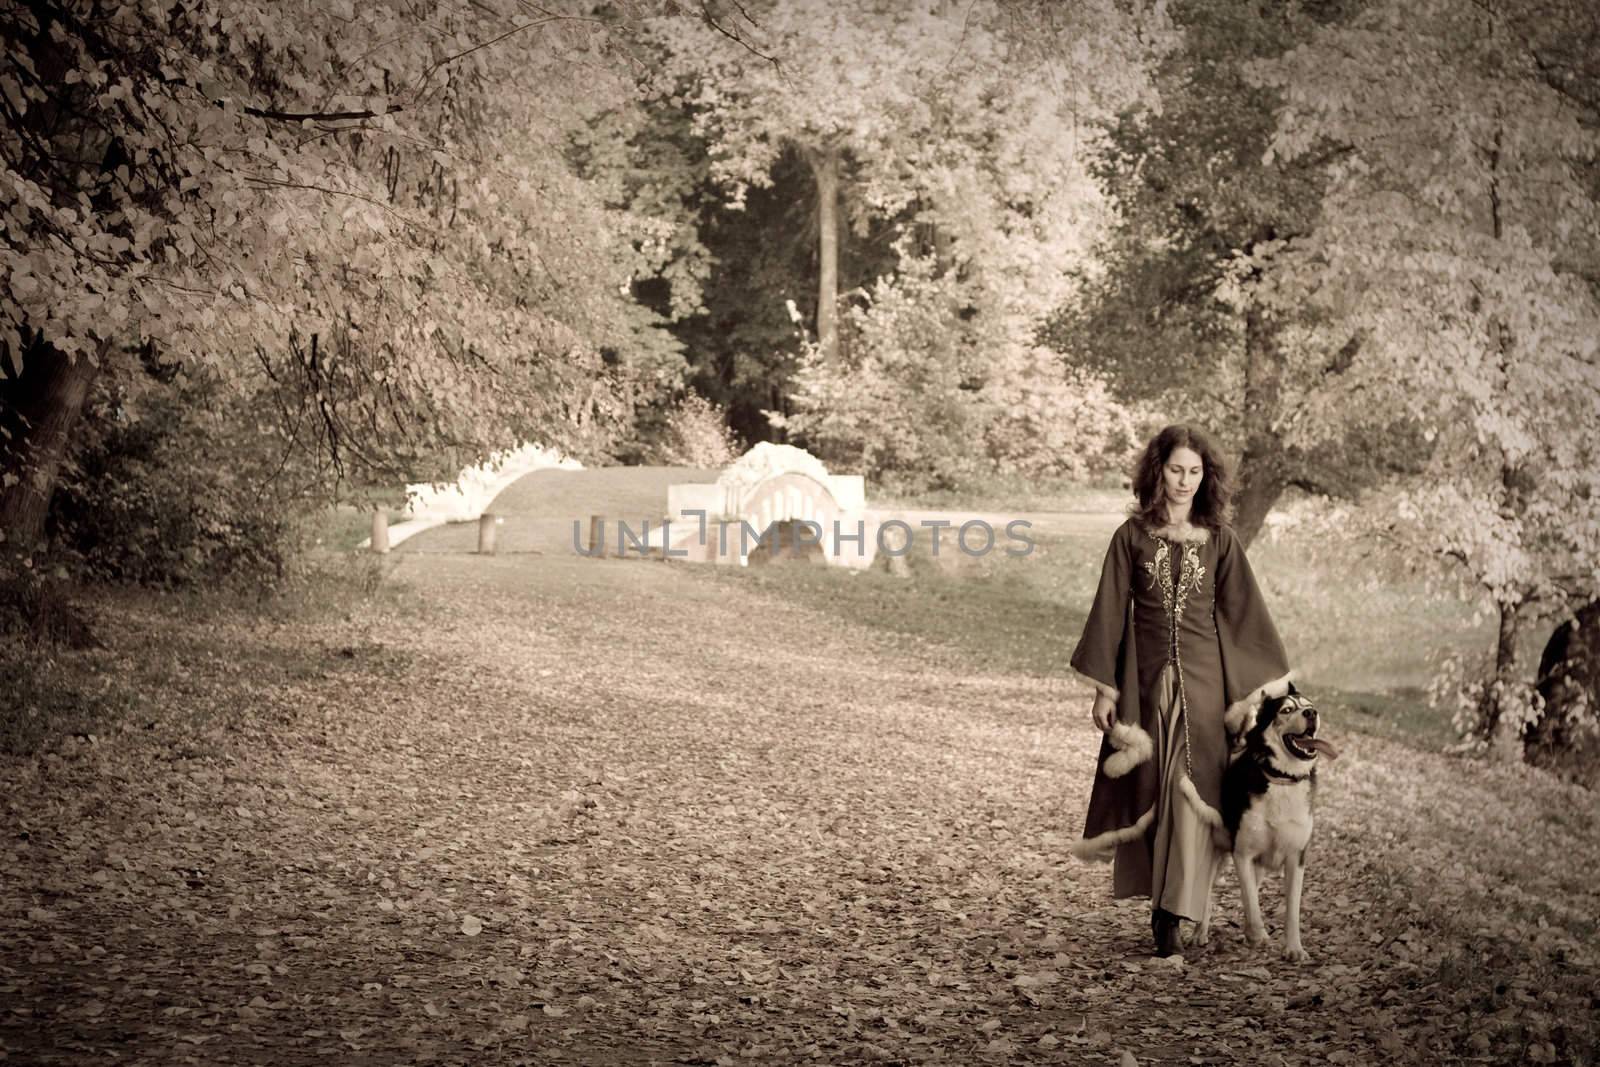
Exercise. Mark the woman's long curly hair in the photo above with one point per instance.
(1212, 506)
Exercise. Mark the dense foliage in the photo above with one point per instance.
(176, 484)
(1175, 308)
(943, 152)
(364, 210)
(1460, 239)
(916, 394)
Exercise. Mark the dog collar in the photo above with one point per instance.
(1283, 776)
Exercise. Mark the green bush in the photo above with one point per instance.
(168, 485)
(694, 434)
(928, 394)
(902, 395)
(38, 607)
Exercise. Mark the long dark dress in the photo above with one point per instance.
(1181, 634)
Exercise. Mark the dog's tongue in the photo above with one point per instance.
(1318, 745)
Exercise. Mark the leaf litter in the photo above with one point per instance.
(606, 812)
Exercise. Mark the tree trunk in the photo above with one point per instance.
(41, 407)
(1262, 480)
(1263, 467)
(825, 167)
(1507, 708)
(944, 247)
(1506, 720)
(1564, 739)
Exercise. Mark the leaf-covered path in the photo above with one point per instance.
(570, 811)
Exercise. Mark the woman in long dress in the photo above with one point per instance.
(1180, 649)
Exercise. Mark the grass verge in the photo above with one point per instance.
(983, 615)
(1005, 493)
(342, 528)
(1024, 615)
(1403, 715)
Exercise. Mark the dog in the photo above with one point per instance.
(1266, 812)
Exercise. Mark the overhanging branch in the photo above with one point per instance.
(317, 116)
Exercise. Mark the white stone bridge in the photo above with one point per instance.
(779, 491)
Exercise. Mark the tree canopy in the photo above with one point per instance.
(1176, 310)
(949, 141)
(367, 203)
(1459, 238)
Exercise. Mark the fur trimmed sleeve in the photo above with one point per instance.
(1099, 648)
(1254, 662)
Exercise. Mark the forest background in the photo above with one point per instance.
(261, 260)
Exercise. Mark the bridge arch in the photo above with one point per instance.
(768, 485)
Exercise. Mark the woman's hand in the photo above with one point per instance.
(1104, 712)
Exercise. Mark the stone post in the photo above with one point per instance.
(486, 533)
(380, 531)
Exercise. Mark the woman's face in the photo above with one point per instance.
(1182, 474)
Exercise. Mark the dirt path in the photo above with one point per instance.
(572, 811)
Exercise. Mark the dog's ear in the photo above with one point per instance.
(1267, 712)
(1293, 691)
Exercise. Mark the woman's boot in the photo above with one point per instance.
(1164, 925)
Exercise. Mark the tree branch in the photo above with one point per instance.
(427, 74)
(961, 45)
(317, 116)
(291, 116)
(1307, 484)
(710, 20)
(388, 209)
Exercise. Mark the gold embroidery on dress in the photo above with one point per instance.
(1190, 574)
(1160, 570)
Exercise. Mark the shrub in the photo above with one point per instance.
(926, 394)
(1049, 422)
(695, 433)
(902, 396)
(38, 607)
(169, 485)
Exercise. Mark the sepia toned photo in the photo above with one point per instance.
(659, 532)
